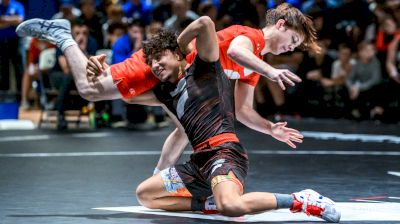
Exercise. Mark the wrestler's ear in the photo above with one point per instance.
(179, 55)
(280, 24)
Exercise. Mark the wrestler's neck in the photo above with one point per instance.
(184, 64)
(268, 35)
(182, 69)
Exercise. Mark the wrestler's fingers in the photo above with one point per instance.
(287, 80)
(281, 84)
(290, 143)
(94, 67)
(293, 130)
(90, 73)
(283, 124)
(293, 76)
(296, 139)
(96, 61)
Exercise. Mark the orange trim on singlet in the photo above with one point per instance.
(216, 140)
(182, 192)
(229, 177)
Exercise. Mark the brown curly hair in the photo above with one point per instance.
(296, 21)
(159, 43)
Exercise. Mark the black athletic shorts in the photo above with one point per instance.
(205, 164)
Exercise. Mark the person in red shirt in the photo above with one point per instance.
(241, 50)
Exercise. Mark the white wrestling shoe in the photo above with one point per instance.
(312, 203)
(210, 207)
(57, 31)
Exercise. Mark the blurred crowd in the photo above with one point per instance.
(356, 76)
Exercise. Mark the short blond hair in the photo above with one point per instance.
(296, 21)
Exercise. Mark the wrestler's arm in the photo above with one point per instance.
(203, 29)
(245, 114)
(97, 84)
(148, 98)
(175, 143)
(241, 51)
(173, 146)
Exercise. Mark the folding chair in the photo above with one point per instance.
(47, 60)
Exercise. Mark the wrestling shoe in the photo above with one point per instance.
(210, 207)
(57, 31)
(312, 203)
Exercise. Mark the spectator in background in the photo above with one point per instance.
(122, 49)
(351, 24)
(162, 11)
(341, 67)
(36, 46)
(393, 60)
(363, 82)
(195, 4)
(238, 12)
(129, 43)
(114, 32)
(138, 9)
(335, 85)
(260, 9)
(93, 20)
(104, 5)
(153, 28)
(324, 30)
(115, 15)
(393, 8)
(386, 33)
(208, 9)
(67, 11)
(180, 15)
(12, 13)
(310, 92)
(274, 3)
(270, 98)
(61, 74)
(319, 5)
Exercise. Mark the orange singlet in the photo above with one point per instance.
(133, 76)
(232, 69)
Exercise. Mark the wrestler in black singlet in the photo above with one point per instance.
(203, 102)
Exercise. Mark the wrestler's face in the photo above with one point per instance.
(284, 39)
(166, 66)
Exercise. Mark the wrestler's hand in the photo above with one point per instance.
(96, 65)
(287, 135)
(283, 75)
